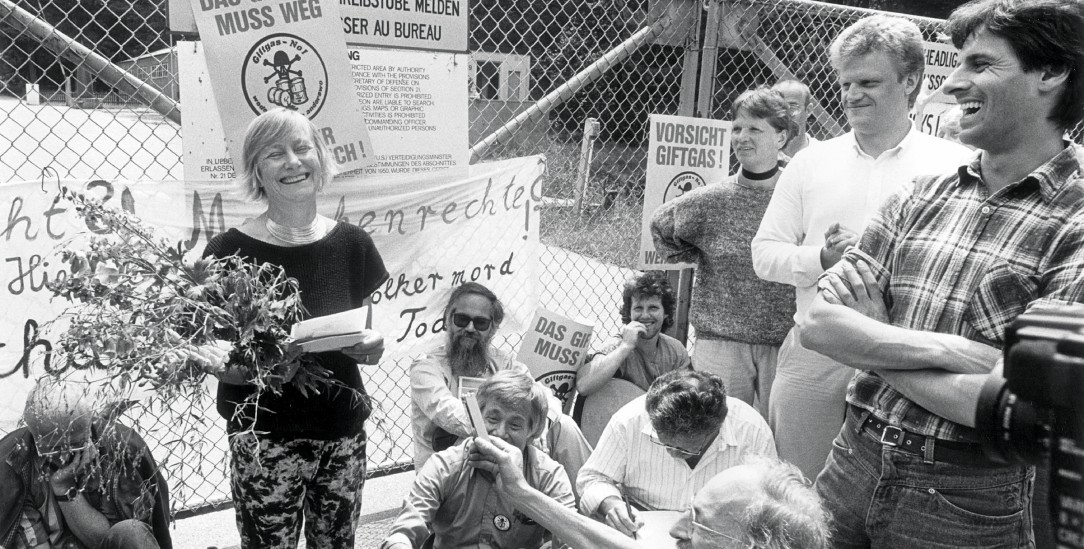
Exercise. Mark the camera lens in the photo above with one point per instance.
(1011, 429)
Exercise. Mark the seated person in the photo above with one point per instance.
(642, 352)
(471, 318)
(73, 477)
(762, 504)
(462, 507)
(661, 448)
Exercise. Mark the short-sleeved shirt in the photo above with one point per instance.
(334, 274)
(629, 454)
(670, 355)
(952, 258)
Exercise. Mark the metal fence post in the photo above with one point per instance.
(591, 129)
(681, 280)
(63, 45)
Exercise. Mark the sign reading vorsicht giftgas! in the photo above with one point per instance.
(263, 54)
(683, 154)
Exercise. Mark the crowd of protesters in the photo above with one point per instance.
(851, 298)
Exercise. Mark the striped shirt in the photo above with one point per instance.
(627, 454)
(952, 258)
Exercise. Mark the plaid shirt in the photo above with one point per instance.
(951, 258)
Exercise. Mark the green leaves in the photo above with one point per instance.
(145, 315)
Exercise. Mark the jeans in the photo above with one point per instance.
(880, 496)
(129, 534)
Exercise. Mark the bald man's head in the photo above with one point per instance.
(764, 504)
(59, 414)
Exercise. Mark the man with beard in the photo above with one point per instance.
(471, 318)
(761, 504)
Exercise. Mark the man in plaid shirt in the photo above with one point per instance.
(920, 307)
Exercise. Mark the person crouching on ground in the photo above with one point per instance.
(74, 478)
(459, 506)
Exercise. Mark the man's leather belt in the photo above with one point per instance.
(960, 453)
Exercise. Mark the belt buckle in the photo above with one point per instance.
(885, 433)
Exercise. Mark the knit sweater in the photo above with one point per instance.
(334, 274)
(713, 227)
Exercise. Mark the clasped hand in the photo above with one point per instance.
(856, 289)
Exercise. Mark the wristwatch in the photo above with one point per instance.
(68, 495)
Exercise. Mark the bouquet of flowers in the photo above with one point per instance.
(145, 315)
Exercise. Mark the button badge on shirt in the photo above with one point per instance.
(502, 523)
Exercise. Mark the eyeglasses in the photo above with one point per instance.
(675, 449)
(697, 524)
(481, 323)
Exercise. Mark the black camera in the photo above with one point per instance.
(1035, 414)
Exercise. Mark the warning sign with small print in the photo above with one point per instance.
(266, 54)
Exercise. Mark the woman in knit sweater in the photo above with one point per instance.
(740, 320)
(299, 453)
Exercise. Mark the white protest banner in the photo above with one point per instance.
(553, 348)
(683, 154)
(414, 103)
(434, 231)
(941, 60)
(433, 25)
(263, 54)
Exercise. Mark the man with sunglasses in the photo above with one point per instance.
(471, 318)
(661, 448)
(75, 478)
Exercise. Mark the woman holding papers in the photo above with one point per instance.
(740, 320)
(295, 453)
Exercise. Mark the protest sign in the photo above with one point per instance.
(683, 154)
(263, 54)
(434, 231)
(432, 25)
(413, 102)
(941, 60)
(553, 348)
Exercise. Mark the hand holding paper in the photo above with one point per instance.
(346, 331)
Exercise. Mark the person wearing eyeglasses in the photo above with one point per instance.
(74, 477)
(763, 503)
(800, 102)
(451, 505)
(465, 357)
(663, 447)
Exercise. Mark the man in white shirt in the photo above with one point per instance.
(439, 418)
(822, 203)
(800, 102)
(660, 449)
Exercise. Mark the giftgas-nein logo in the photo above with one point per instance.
(284, 70)
(681, 184)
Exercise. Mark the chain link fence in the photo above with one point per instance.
(77, 78)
